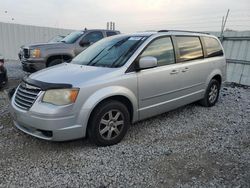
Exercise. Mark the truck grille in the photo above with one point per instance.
(26, 95)
(26, 53)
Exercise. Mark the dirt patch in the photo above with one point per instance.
(205, 168)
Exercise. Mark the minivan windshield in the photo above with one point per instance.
(72, 37)
(110, 52)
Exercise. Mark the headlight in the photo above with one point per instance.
(60, 96)
(35, 53)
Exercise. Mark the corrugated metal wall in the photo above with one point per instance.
(237, 48)
(12, 36)
(236, 45)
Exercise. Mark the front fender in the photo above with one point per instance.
(99, 96)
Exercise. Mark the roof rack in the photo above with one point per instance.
(182, 31)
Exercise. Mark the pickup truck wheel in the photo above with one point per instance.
(212, 94)
(108, 123)
(54, 62)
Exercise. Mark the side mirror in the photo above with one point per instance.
(84, 43)
(147, 62)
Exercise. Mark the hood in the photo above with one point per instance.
(76, 75)
(46, 45)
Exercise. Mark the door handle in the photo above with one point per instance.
(174, 72)
(185, 69)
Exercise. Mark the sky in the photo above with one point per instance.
(128, 15)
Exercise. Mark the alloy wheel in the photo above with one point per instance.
(111, 124)
(213, 93)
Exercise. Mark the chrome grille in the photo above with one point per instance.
(26, 96)
(26, 53)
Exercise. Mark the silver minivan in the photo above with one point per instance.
(118, 81)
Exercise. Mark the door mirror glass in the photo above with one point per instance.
(84, 43)
(147, 62)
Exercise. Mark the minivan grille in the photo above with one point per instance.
(26, 53)
(26, 96)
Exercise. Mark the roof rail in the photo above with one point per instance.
(182, 31)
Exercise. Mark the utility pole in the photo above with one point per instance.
(224, 21)
(222, 26)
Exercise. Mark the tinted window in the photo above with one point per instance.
(189, 48)
(162, 49)
(111, 33)
(93, 37)
(213, 47)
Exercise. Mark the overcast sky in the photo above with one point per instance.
(129, 15)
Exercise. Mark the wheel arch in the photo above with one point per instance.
(118, 93)
(216, 74)
(65, 57)
(121, 98)
(218, 78)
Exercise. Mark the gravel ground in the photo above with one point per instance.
(191, 146)
(14, 69)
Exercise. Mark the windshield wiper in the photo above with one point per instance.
(119, 43)
(95, 56)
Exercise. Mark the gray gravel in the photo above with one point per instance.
(14, 69)
(191, 146)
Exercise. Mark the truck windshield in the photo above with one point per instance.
(72, 37)
(110, 52)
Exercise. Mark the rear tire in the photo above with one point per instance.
(212, 94)
(108, 123)
(54, 62)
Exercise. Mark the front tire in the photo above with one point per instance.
(212, 94)
(108, 123)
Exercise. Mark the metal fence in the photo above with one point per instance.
(237, 48)
(236, 45)
(12, 36)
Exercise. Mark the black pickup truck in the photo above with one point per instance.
(3, 72)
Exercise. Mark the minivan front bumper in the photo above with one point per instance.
(56, 128)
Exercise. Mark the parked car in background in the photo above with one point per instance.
(118, 81)
(3, 72)
(57, 38)
(38, 56)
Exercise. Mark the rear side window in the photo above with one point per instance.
(162, 50)
(213, 47)
(189, 48)
(111, 33)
